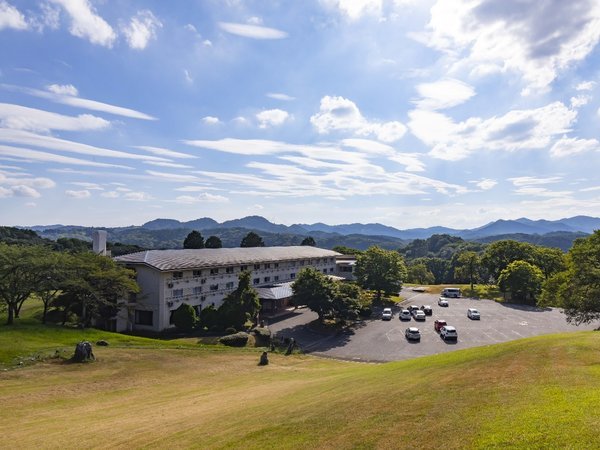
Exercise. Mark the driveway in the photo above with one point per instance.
(378, 340)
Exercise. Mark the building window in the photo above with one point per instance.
(276, 278)
(228, 269)
(292, 275)
(267, 266)
(256, 281)
(203, 281)
(143, 317)
(214, 287)
(256, 266)
(177, 293)
(202, 298)
(214, 271)
(242, 268)
(324, 270)
(197, 290)
(276, 265)
(229, 285)
(267, 279)
(177, 275)
(197, 273)
(331, 270)
(302, 262)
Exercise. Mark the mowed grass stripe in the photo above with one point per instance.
(541, 392)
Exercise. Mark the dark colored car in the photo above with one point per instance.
(427, 310)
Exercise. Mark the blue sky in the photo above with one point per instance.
(410, 113)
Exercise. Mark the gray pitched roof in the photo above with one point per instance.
(218, 257)
(275, 291)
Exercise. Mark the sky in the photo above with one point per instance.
(410, 113)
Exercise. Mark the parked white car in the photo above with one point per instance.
(387, 314)
(473, 314)
(405, 315)
(448, 332)
(442, 302)
(419, 315)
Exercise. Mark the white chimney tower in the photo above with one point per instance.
(99, 242)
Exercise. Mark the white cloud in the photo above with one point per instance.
(168, 164)
(252, 31)
(533, 181)
(164, 152)
(341, 114)
(34, 155)
(22, 185)
(585, 86)
(572, 146)
(580, 100)
(137, 196)
(535, 39)
(443, 94)
(86, 24)
(272, 117)
(188, 76)
(485, 184)
(79, 194)
(110, 194)
(11, 17)
(203, 197)
(141, 29)
(63, 89)
(210, 120)
(516, 130)
(25, 191)
(279, 96)
(173, 177)
(355, 9)
(68, 97)
(51, 142)
(23, 118)
(88, 186)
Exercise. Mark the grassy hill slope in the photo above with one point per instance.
(533, 393)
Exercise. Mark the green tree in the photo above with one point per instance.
(185, 317)
(467, 264)
(193, 240)
(309, 241)
(347, 250)
(314, 290)
(94, 286)
(550, 260)
(521, 279)
(252, 240)
(53, 266)
(241, 305)
(209, 317)
(380, 270)
(21, 274)
(420, 274)
(577, 289)
(213, 242)
(498, 255)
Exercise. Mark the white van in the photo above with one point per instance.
(451, 292)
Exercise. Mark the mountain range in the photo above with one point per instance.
(582, 224)
(169, 233)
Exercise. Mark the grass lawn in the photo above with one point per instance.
(540, 392)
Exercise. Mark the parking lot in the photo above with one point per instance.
(378, 340)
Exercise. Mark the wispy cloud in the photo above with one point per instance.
(67, 95)
(86, 23)
(79, 195)
(24, 118)
(25, 154)
(211, 120)
(443, 94)
(141, 29)
(203, 197)
(279, 96)
(252, 31)
(11, 17)
(164, 152)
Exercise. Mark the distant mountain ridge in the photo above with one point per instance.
(584, 224)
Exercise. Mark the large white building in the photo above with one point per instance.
(168, 278)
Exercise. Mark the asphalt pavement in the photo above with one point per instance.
(375, 340)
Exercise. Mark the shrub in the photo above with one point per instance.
(262, 336)
(235, 340)
(185, 317)
(230, 330)
(209, 318)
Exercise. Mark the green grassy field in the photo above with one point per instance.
(540, 392)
